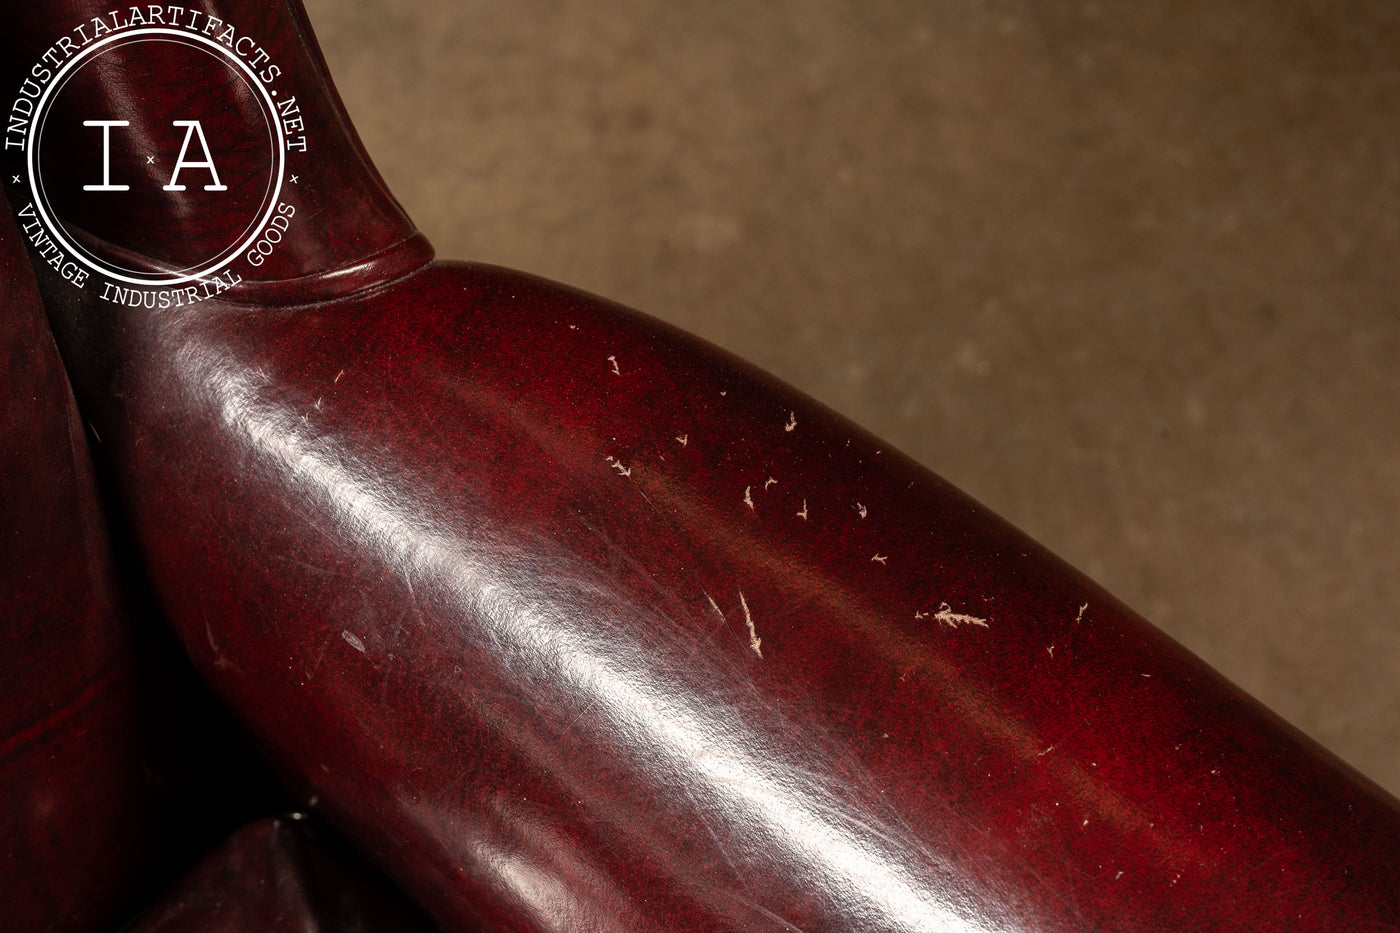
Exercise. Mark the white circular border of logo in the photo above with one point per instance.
(53, 229)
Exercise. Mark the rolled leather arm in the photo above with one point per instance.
(573, 621)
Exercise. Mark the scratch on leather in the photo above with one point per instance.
(754, 640)
(948, 617)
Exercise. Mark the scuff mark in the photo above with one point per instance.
(617, 465)
(879, 559)
(948, 617)
(613, 361)
(748, 496)
(684, 439)
(352, 640)
(754, 640)
(791, 422)
(803, 514)
(862, 510)
(220, 662)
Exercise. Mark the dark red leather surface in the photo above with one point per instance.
(72, 800)
(178, 82)
(281, 876)
(575, 622)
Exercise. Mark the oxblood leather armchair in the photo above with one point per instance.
(572, 621)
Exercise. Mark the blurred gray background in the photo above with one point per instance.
(1125, 271)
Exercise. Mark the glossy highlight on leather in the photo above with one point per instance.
(573, 621)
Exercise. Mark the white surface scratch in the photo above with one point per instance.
(613, 361)
(754, 640)
(617, 465)
(879, 559)
(337, 377)
(684, 439)
(1080, 617)
(352, 640)
(791, 422)
(952, 619)
(748, 496)
(715, 606)
(862, 510)
(803, 514)
(769, 482)
(220, 661)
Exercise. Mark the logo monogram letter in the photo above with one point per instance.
(107, 155)
(192, 128)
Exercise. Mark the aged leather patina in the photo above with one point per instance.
(573, 621)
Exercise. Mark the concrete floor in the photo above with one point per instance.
(1125, 271)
